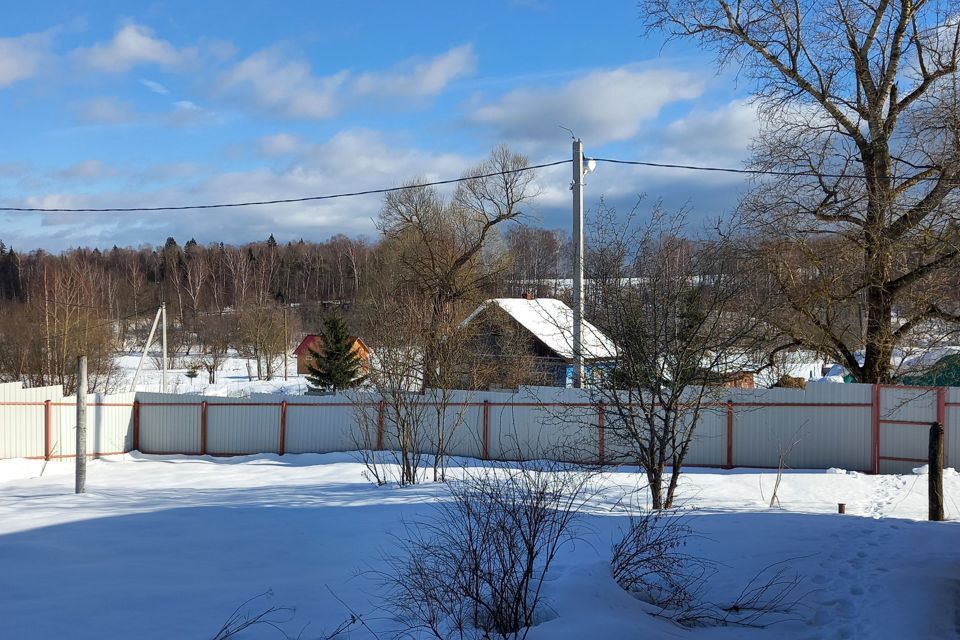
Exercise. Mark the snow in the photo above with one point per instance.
(232, 378)
(551, 321)
(168, 546)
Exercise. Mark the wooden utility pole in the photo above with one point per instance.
(935, 473)
(81, 468)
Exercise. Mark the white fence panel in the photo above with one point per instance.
(312, 427)
(709, 444)
(951, 443)
(22, 427)
(823, 426)
(169, 423)
(817, 428)
(109, 424)
(237, 426)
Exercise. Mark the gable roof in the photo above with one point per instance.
(551, 322)
(311, 338)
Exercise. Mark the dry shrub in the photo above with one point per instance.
(476, 567)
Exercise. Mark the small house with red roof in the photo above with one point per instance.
(314, 342)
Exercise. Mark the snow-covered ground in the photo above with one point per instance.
(168, 547)
(233, 378)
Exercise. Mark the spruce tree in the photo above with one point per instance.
(335, 366)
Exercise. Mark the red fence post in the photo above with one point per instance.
(380, 426)
(729, 434)
(600, 425)
(136, 425)
(203, 427)
(283, 427)
(875, 427)
(486, 429)
(47, 431)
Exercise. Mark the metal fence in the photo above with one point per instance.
(873, 428)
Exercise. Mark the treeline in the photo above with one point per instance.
(256, 298)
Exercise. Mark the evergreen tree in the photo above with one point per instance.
(335, 365)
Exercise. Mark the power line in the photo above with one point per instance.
(435, 183)
(256, 203)
(756, 172)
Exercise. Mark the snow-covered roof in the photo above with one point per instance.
(551, 321)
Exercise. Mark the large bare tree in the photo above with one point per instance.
(858, 103)
(446, 250)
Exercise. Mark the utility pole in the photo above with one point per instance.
(80, 484)
(578, 263)
(286, 342)
(163, 379)
(153, 329)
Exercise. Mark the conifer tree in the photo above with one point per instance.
(335, 366)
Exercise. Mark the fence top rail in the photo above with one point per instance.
(42, 403)
(491, 403)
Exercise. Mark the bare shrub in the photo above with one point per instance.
(476, 567)
(649, 562)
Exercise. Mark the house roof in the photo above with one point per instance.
(311, 338)
(551, 322)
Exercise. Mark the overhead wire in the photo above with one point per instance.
(257, 203)
(434, 183)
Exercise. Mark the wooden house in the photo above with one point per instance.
(314, 342)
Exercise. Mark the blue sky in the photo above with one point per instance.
(115, 103)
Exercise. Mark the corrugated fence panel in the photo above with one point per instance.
(823, 426)
(315, 428)
(169, 423)
(566, 433)
(813, 437)
(109, 424)
(952, 436)
(242, 427)
(899, 438)
(22, 430)
(463, 429)
(709, 443)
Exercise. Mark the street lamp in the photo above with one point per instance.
(581, 167)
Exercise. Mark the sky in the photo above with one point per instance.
(118, 103)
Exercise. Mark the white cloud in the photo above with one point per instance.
(279, 144)
(154, 86)
(87, 170)
(286, 87)
(185, 113)
(105, 110)
(722, 134)
(21, 57)
(283, 87)
(419, 78)
(351, 160)
(601, 106)
(133, 45)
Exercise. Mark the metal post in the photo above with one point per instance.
(578, 263)
(163, 379)
(81, 458)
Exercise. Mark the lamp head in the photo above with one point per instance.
(589, 165)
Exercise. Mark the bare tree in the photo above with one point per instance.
(859, 109)
(682, 317)
(214, 335)
(446, 250)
